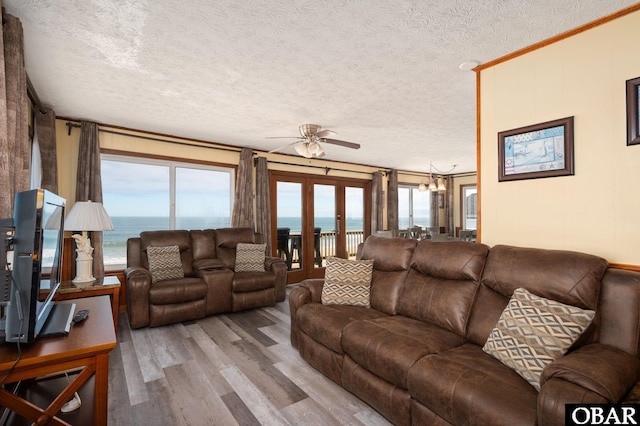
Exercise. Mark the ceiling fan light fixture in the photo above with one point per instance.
(314, 147)
(303, 149)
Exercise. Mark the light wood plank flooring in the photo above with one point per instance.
(233, 369)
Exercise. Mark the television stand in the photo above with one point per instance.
(86, 348)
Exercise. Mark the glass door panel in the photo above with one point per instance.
(354, 213)
(421, 205)
(324, 223)
(289, 224)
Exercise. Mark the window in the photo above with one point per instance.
(145, 195)
(469, 211)
(414, 207)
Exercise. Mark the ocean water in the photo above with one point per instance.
(125, 227)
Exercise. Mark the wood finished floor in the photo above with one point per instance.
(237, 368)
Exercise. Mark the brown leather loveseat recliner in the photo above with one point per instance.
(210, 284)
(416, 355)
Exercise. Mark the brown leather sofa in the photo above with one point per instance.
(210, 285)
(416, 355)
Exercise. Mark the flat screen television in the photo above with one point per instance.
(35, 262)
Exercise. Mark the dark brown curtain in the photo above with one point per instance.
(377, 206)
(435, 212)
(243, 202)
(15, 149)
(263, 203)
(46, 131)
(392, 202)
(89, 184)
(448, 205)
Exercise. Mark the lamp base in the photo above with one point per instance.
(84, 276)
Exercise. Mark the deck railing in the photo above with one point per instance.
(328, 243)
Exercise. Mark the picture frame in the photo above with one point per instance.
(633, 113)
(537, 151)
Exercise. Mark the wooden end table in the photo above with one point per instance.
(86, 347)
(109, 285)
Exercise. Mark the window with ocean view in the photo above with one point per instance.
(414, 207)
(150, 195)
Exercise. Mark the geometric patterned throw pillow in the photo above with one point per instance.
(533, 331)
(164, 263)
(250, 257)
(347, 282)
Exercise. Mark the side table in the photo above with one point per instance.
(86, 348)
(109, 285)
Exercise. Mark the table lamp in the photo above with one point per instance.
(86, 216)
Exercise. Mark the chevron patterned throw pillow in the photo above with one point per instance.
(164, 263)
(533, 331)
(347, 282)
(250, 257)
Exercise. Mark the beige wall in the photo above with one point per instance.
(597, 209)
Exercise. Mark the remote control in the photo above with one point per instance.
(81, 316)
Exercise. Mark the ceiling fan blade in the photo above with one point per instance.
(342, 143)
(282, 137)
(283, 147)
(324, 133)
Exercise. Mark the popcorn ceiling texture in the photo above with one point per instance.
(380, 73)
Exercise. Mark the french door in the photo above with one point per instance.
(315, 218)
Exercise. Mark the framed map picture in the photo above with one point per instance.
(537, 151)
(633, 113)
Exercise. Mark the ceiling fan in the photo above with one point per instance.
(308, 143)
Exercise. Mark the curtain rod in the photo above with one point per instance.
(326, 169)
(71, 125)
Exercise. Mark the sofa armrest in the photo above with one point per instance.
(315, 288)
(599, 368)
(308, 291)
(279, 269)
(593, 374)
(207, 265)
(138, 281)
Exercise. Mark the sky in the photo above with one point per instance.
(134, 189)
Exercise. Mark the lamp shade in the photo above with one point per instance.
(88, 216)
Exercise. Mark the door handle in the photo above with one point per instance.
(338, 225)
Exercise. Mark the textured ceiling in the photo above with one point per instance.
(380, 73)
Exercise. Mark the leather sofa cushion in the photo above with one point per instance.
(568, 277)
(324, 323)
(177, 291)
(391, 261)
(208, 264)
(171, 314)
(203, 244)
(456, 260)
(386, 288)
(445, 303)
(389, 346)
(464, 385)
(442, 283)
(389, 254)
(252, 281)
(226, 241)
(620, 326)
(168, 238)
